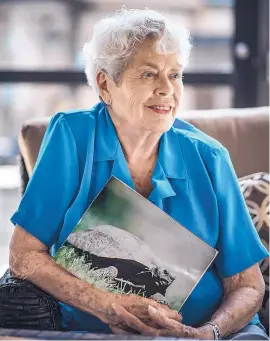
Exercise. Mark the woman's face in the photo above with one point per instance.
(150, 90)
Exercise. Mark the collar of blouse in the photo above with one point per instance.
(170, 163)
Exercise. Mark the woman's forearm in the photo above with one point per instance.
(243, 296)
(40, 269)
(237, 310)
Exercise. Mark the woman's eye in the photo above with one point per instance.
(176, 75)
(148, 74)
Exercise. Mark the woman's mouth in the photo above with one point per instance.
(161, 109)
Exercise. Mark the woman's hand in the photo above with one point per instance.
(164, 325)
(134, 306)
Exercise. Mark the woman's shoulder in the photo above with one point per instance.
(193, 138)
(79, 123)
(78, 117)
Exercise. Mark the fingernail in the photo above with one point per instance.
(152, 310)
(114, 306)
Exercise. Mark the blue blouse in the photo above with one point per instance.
(193, 181)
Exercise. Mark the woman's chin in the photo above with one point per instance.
(160, 126)
(159, 122)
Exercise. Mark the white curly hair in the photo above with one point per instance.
(117, 38)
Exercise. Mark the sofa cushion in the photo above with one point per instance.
(255, 189)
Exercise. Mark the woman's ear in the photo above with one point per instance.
(102, 83)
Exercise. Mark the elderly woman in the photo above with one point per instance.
(135, 61)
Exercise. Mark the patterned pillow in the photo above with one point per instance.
(255, 189)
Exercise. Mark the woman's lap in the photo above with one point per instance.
(250, 332)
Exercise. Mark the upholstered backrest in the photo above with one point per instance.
(244, 132)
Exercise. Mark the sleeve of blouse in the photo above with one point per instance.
(239, 244)
(53, 184)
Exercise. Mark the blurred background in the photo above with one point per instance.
(41, 69)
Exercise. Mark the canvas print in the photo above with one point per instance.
(125, 244)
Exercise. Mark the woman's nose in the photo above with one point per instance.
(164, 87)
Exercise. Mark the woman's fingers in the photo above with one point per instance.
(133, 322)
(172, 314)
(159, 316)
(120, 331)
(167, 326)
